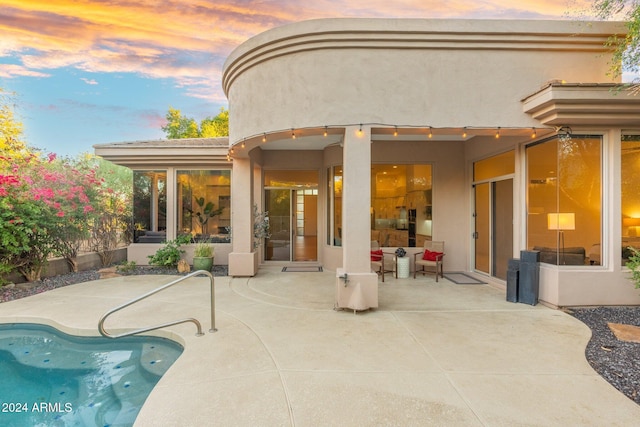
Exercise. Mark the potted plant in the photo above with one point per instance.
(203, 256)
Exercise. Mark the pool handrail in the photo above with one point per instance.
(104, 333)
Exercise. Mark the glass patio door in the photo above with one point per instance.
(493, 227)
(278, 204)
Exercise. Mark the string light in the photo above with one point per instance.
(396, 131)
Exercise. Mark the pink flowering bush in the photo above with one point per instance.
(47, 207)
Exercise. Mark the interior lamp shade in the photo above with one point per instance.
(561, 221)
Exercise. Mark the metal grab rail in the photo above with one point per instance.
(104, 333)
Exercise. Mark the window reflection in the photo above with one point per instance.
(401, 198)
(564, 200)
(204, 204)
(149, 206)
(630, 194)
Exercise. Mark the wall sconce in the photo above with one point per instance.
(561, 222)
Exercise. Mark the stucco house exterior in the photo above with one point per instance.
(492, 136)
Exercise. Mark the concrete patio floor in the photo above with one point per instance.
(431, 354)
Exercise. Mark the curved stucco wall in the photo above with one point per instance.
(441, 73)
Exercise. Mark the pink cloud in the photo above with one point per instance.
(188, 40)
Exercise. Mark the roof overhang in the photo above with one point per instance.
(577, 104)
(163, 153)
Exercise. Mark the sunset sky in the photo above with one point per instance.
(88, 72)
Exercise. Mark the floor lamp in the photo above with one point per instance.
(560, 222)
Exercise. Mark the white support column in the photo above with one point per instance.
(172, 203)
(243, 260)
(361, 290)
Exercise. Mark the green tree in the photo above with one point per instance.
(179, 126)
(11, 142)
(216, 126)
(626, 51)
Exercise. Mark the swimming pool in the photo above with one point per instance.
(50, 378)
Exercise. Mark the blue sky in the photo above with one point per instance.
(88, 72)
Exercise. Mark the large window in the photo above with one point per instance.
(630, 189)
(564, 199)
(149, 206)
(334, 214)
(401, 211)
(204, 204)
(401, 205)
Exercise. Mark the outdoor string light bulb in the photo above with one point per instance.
(264, 137)
(395, 132)
(430, 132)
(533, 133)
(464, 132)
(360, 130)
(242, 145)
(326, 131)
(293, 134)
(498, 133)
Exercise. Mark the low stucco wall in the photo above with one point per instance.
(140, 252)
(59, 266)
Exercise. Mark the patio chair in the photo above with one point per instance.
(378, 262)
(430, 260)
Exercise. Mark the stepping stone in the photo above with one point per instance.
(107, 273)
(627, 333)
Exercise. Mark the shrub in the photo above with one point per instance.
(634, 265)
(170, 253)
(127, 267)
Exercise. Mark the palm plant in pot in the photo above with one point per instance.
(203, 256)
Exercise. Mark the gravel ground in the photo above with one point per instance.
(616, 361)
(21, 290)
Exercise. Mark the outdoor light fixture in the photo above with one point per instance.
(560, 222)
(326, 132)
(264, 137)
(430, 132)
(360, 130)
(498, 133)
(293, 134)
(395, 132)
(242, 145)
(464, 132)
(533, 133)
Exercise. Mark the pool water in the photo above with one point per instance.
(49, 378)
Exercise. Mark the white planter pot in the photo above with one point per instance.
(402, 264)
